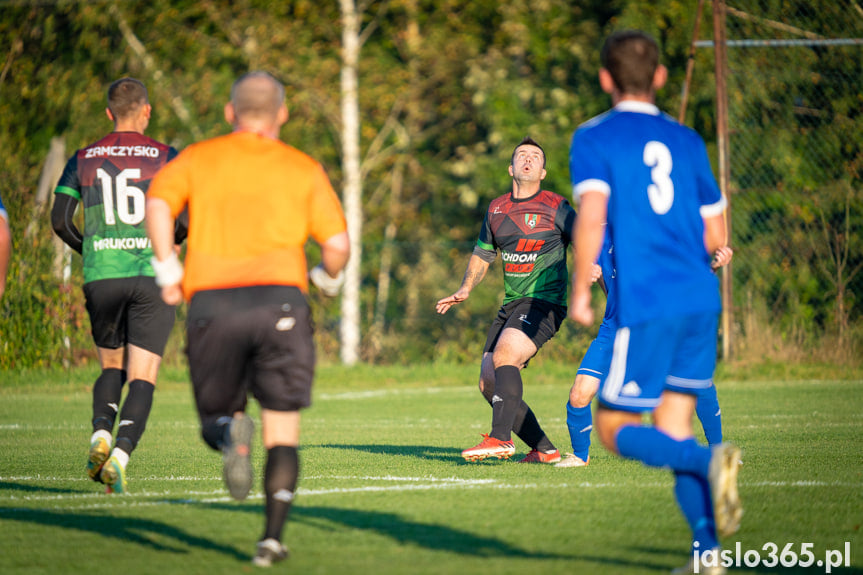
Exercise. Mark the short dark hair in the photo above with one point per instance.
(527, 141)
(631, 57)
(126, 96)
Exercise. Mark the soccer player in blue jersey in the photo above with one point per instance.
(5, 246)
(649, 179)
(596, 362)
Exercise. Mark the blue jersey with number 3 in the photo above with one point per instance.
(659, 185)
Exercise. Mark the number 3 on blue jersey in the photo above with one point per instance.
(661, 192)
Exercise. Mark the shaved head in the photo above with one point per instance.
(257, 96)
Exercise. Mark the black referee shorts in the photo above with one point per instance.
(254, 339)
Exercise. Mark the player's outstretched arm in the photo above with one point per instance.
(476, 270)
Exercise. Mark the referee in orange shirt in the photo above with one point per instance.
(253, 202)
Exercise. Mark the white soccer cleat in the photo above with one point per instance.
(269, 551)
(722, 475)
(572, 460)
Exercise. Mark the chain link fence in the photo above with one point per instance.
(795, 156)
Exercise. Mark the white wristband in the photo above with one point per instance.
(168, 272)
(323, 281)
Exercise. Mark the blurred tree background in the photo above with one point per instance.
(446, 89)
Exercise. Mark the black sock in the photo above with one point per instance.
(214, 430)
(133, 416)
(107, 392)
(528, 429)
(506, 401)
(525, 426)
(280, 482)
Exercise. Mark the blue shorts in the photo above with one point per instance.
(674, 354)
(597, 360)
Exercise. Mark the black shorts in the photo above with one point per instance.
(129, 311)
(254, 339)
(537, 319)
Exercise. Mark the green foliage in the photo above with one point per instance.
(447, 88)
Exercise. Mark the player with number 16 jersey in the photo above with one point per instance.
(110, 177)
(129, 321)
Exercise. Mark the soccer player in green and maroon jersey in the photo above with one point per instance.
(531, 228)
(130, 322)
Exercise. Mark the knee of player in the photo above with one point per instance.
(583, 390)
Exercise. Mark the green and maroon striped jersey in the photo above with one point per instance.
(532, 235)
(110, 177)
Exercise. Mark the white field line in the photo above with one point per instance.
(347, 395)
(97, 500)
(100, 501)
(389, 423)
(37, 478)
(85, 425)
(376, 393)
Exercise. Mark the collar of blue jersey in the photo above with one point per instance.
(634, 106)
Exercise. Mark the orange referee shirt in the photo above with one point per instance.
(253, 202)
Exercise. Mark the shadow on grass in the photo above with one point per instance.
(9, 486)
(438, 537)
(448, 454)
(406, 531)
(144, 532)
(399, 529)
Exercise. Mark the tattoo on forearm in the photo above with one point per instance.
(471, 278)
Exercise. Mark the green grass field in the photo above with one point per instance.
(383, 489)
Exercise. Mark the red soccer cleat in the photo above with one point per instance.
(489, 447)
(536, 456)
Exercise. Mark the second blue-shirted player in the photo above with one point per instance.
(596, 362)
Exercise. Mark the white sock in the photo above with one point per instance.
(122, 457)
(103, 434)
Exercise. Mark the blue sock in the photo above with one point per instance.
(656, 449)
(580, 422)
(707, 408)
(693, 496)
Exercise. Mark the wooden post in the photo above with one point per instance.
(721, 63)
